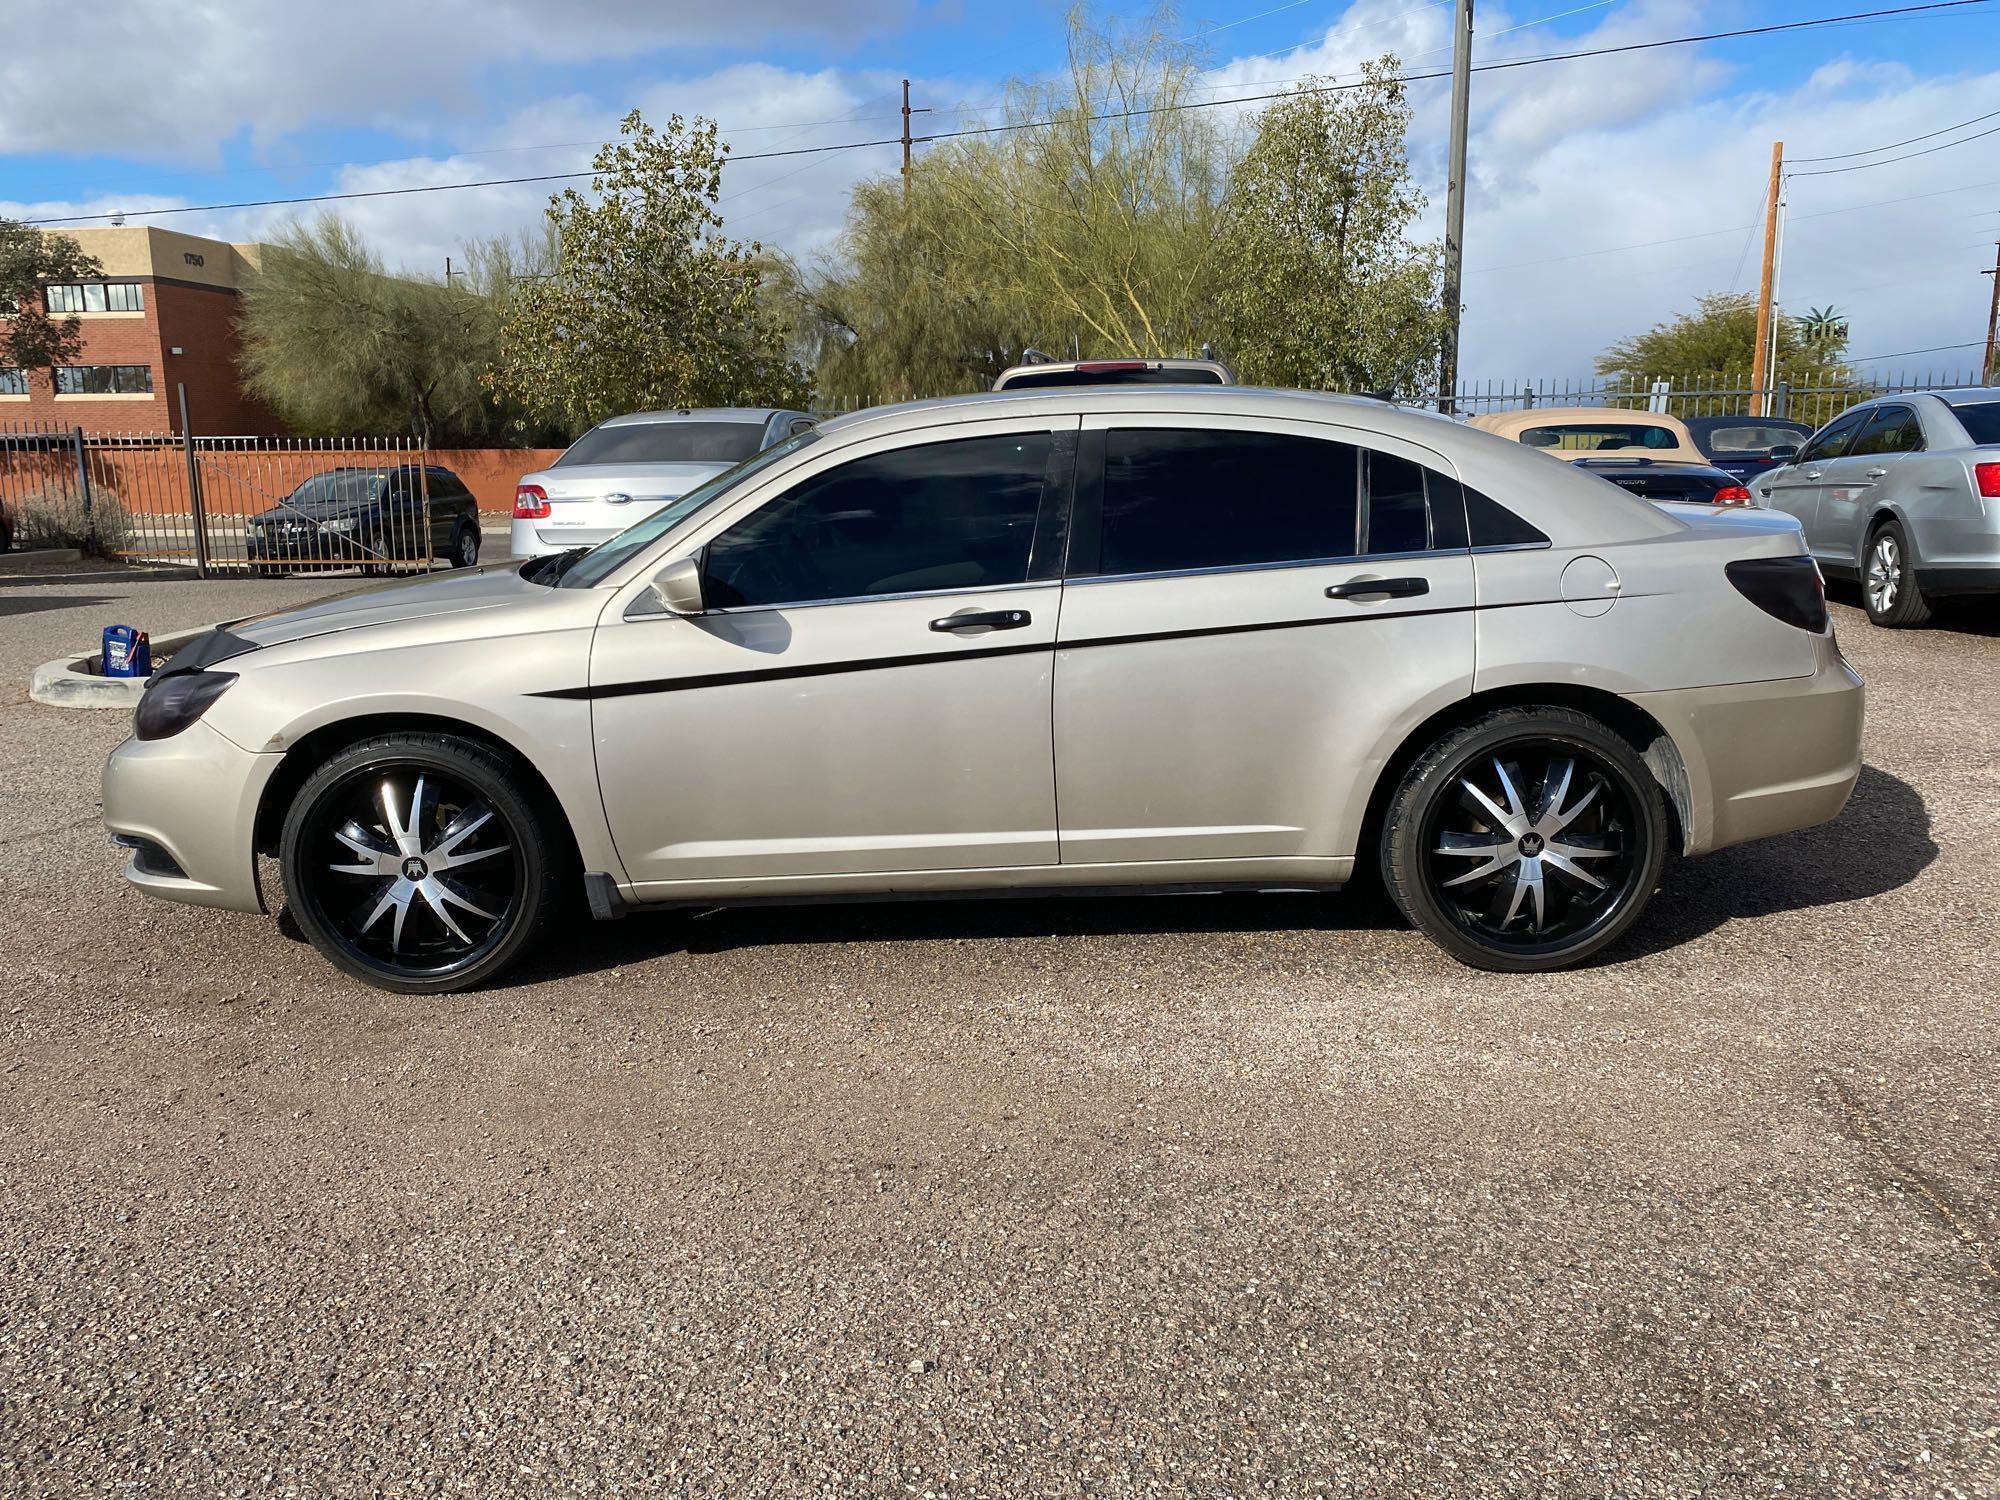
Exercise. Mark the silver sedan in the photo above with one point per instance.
(1149, 638)
(1901, 493)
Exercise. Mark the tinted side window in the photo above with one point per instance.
(1893, 429)
(1487, 522)
(938, 516)
(1398, 510)
(1211, 499)
(1832, 439)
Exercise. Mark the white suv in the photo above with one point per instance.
(623, 470)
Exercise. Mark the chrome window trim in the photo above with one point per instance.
(977, 588)
(1292, 564)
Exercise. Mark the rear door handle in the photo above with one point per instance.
(1390, 588)
(1876, 473)
(1812, 473)
(990, 619)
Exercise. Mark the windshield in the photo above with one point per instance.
(341, 487)
(1981, 419)
(1754, 439)
(673, 442)
(596, 564)
(1033, 380)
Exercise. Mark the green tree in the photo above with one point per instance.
(30, 260)
(1324, 287)
(336, 346)
(1719, 338)
(1073, 232)
(648, 304)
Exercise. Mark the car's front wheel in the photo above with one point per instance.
(418, 863)
(1529, 839)
(1889, 580)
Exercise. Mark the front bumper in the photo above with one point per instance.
(191, 802)
(1764, 758)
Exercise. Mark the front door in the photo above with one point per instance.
(1226, 675)
(868, 687)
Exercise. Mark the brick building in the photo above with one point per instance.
(163, 314)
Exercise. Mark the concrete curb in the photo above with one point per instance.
(73, 681)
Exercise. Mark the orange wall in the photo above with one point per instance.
(492, 473)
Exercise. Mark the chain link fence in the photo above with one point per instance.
(225, 505)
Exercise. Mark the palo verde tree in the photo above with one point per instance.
(336, 345)
(1720, 338)
(1088, 227)
(647, 304)
(29, 260)
(1324, 288)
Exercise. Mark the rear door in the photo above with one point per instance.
(1849, 484)
(1225, 676)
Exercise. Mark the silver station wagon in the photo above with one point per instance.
(1121, 639)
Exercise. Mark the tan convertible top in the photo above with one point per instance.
(1513, 424)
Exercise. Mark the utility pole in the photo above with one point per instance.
(908, 139)
(1759, 368)
(1989, 371)
(1454, 210)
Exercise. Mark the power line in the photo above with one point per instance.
(1487, 67)
(1906, 156)
(1869, 359)
(1873, 150)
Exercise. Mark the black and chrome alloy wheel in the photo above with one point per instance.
(414, 863)
(1532, 846)
(1526, 840)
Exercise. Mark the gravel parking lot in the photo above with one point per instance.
(1198, 1195)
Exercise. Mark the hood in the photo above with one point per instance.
(419, 598)
(640, 481)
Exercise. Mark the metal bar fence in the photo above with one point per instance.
(224, 505)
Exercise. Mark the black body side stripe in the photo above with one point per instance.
(927, 658)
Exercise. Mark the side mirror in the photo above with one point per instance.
(1784, 455)
(678, 586)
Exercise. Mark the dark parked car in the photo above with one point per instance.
(401, 515)
(1685, 484)
(1747, 446)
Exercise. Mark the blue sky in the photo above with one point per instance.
(1606, 194)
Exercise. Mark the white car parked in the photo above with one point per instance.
(623, 470)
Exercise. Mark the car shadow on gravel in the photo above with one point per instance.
(1881, 841)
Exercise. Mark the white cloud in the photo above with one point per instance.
(171, 82)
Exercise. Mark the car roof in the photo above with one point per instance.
(1062, 366)
(1510, 423)
(758, 414)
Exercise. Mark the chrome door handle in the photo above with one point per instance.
(990, 619)
(1876, 473)
(1388, 588)
(1812, 473)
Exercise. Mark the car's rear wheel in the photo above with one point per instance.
(1528, 839)
(1889, 585)
(418, 863)
(465, 546)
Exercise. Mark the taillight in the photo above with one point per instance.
(1987, 478)
(1730, 494)
(1786, 588)
(531, 503)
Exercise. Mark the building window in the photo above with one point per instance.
(104, 380)
(95, 296)
(13, 382)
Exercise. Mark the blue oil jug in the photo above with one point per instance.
(127, 652)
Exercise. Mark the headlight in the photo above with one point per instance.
(173, 702)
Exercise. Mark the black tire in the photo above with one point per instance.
(1522, 906)
(465, 546)
(1889, 589)
(391, 917)
(260, 570)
